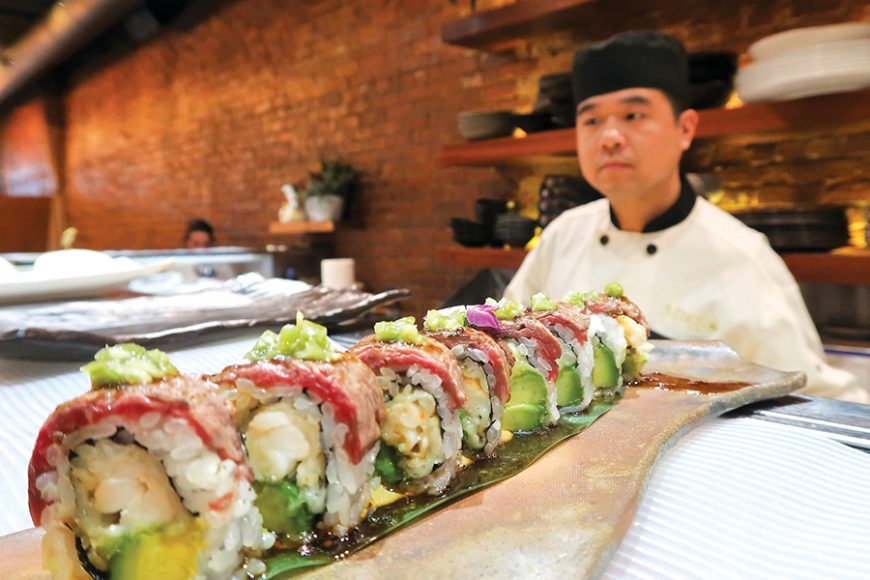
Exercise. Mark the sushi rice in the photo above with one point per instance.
(119, 477)
(572, 353)
(527, 350)
(428, 445)
(484, 408)
(292, 435)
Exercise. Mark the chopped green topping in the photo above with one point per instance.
(581, 298)
(304, 340)
(435, 320)
(541, 303)
(401, 330)
(387, 465)
(614, 289)
(128, 364)
(283, 507)
(506, 309)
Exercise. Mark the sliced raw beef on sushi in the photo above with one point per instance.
(422, 388)
(570, 325)
(536, 354)
(618, 333)
(310, 419)
(144, 477)
(485, 368)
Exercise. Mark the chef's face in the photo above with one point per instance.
(629, 142)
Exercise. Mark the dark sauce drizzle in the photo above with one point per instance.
(670, 383)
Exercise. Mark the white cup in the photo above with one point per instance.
(337, 273)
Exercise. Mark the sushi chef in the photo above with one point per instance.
(696, 271)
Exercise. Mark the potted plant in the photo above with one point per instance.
(330, 190)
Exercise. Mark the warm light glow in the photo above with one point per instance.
(519, 133)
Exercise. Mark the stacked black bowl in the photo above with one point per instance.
(514, 230)
(711, 78)
(474, 234)
(819, 229)
(556, 97)
(469, 233)
(562, 192)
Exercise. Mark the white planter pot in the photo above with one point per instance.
(324, 208)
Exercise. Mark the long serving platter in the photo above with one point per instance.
(566, 514)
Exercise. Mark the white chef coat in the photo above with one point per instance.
(708, 277)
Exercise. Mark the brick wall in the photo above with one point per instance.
(211, 121)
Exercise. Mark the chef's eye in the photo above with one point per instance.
(589, 122)
(634, 116)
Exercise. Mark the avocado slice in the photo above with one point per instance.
(569, 391)
(523, 417)
(632, 365)
(528, 385)
(167, 554)
(605, 373)
(284, 508)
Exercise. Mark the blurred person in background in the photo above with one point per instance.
(199, 234)
(695, 270)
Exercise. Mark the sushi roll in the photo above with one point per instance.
(570, 325)
(144, 477)
(421, 384)
(485, 366)
(310, 419)
(535, 352)
(617, 335)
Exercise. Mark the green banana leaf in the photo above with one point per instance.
(514, 456)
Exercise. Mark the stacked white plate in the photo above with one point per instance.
(807, 61)
(485, 125)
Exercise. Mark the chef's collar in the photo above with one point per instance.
(679, 211)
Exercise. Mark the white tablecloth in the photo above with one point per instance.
(735, 498)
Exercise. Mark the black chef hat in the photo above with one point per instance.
(637, 58)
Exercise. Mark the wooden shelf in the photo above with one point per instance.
(851, 269)
(301, 228)
(504, 27)
(754, 118)
(847, 269)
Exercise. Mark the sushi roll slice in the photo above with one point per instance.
(421, 384)
(485, 369)
(310, 420)
(144, 477)
(535, 351)
(570, 325)
(617, 335)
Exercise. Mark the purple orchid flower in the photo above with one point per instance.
(483, 316)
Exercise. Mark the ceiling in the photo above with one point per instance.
(52, 39)
(17, 16)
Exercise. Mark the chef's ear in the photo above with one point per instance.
(688, 123)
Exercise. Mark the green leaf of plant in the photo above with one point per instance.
(514, 456)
